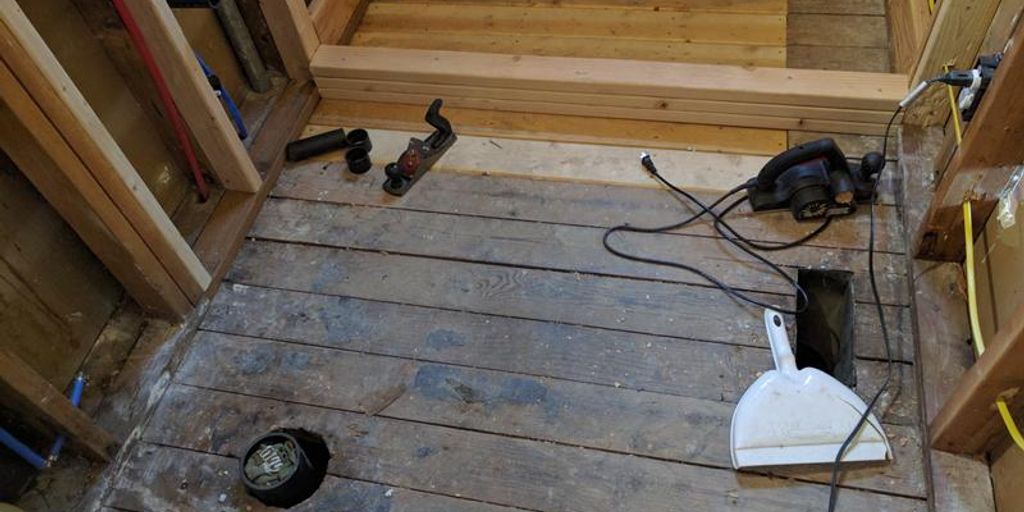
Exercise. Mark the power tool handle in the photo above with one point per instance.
(821, 148)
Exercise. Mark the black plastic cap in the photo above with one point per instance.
(358, 160)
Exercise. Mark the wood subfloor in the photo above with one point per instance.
(810, 34)
(471, 347)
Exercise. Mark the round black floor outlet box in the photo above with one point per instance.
(284, 467)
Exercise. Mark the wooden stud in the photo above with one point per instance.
(223, 234)
(602, 113)
(909, 22)
(798, 114)
(39, 73)
(654, 91)
(968, 422)
(336, 21)
(294, 34)
(46, 159)
(194, 97)
(40, 398)
(834, 89)
(959, 28)
(106, 26)
(981, 166)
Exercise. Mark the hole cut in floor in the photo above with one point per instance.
(285, 467)
(824, 331)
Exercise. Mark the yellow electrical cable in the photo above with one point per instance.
(931, 6)
(972, 308)
(972, 296)
(1011, 426)
(957, 127)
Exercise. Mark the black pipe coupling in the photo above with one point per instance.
(356, 144)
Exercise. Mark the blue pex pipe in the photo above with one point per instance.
(26, 452)
(22, 450)
(76, 399)
(225, 96)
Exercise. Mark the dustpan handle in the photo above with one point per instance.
(779, 341)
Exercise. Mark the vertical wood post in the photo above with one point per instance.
(46, 102)
(336, 20)
(194, 96)
(294, 34)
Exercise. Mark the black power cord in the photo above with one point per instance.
(726, 231)
(749, 246)
(833, 487)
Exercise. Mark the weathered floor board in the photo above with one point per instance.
(684, 367)
(571, 413)
(573, 204)
(470, 347)
(667, 309)
(560, 247)
(164, 478)
(496, 469)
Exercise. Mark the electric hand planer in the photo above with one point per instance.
(814, 180)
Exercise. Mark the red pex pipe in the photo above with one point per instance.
(165, 97)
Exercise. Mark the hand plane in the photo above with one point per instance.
(421, 154)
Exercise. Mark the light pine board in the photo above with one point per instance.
(612, 31)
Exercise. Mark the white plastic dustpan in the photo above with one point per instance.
(791, 416)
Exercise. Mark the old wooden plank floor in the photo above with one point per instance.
(471, 347)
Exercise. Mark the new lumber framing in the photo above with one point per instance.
(95, 163)
(40, 152)
(982, 164)
(222, 236)
(336, 20)
(109, 30)
(194, 97)
(909, 23)
(844, 102)
(294, 34)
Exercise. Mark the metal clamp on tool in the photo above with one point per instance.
(421, 154)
